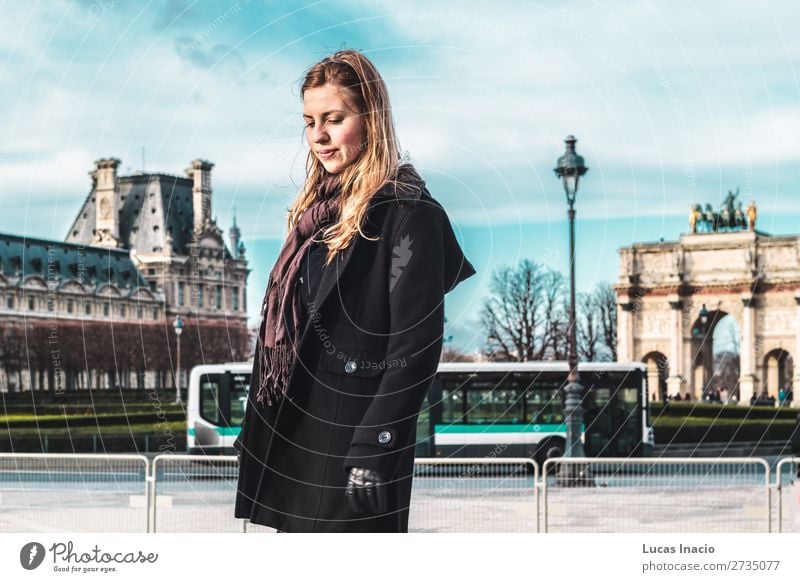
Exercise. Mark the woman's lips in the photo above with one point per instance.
(326, 154)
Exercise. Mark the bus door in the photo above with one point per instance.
(627, 418)
(599, 422)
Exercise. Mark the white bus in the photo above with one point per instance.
(472, 409)
(516, 409)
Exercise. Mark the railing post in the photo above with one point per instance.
(154, 492)
(547, 464)
(779, 487)
(148, 484)
(536, 480)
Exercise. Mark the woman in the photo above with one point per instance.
(352, 324)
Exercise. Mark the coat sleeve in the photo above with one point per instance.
(418, 280)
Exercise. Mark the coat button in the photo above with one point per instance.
(301, 280)
(384, 437)
(350, 367)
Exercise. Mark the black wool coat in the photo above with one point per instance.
(366, 358)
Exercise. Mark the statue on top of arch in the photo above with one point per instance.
(729, 218)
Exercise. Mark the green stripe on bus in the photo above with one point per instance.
(221, 431)
(476, 428)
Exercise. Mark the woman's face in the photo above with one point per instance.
(335, 131)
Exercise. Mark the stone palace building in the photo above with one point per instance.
(142, 247)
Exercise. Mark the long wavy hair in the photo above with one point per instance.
(377, 164)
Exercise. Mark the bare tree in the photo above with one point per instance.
(605, 299)
(524, 316)
(597, 324)
(556, 301)
(587, 327)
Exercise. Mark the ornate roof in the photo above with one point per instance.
(58, 262)
(154, 210)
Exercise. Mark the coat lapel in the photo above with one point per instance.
(331, 276)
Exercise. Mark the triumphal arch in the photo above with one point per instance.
(715, 314)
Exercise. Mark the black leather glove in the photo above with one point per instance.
(366, 491)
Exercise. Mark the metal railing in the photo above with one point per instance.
(193, 493)
(47, 493)
(666, 495)
(474, 495)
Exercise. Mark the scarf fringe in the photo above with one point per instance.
(274, 369)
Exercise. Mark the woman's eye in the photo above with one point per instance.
(335, 120)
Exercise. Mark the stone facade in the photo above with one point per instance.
(748, 275)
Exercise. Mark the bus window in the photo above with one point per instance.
(602, 396)
(491, 406)
(630, 397)
(209, 398)
(544, 405)
(479, 407)
(452, 406)
(241, 385)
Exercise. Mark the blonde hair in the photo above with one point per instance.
(377, 164)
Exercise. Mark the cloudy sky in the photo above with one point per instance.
(672, 103)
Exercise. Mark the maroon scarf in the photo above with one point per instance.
(279, 336)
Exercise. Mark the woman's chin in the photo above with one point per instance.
(331, 167)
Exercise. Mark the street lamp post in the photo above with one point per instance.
(178, 325)
(569, 169)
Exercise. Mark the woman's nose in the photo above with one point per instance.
(318, 134)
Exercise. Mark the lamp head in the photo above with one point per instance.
(178, 325)
(570, 168)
